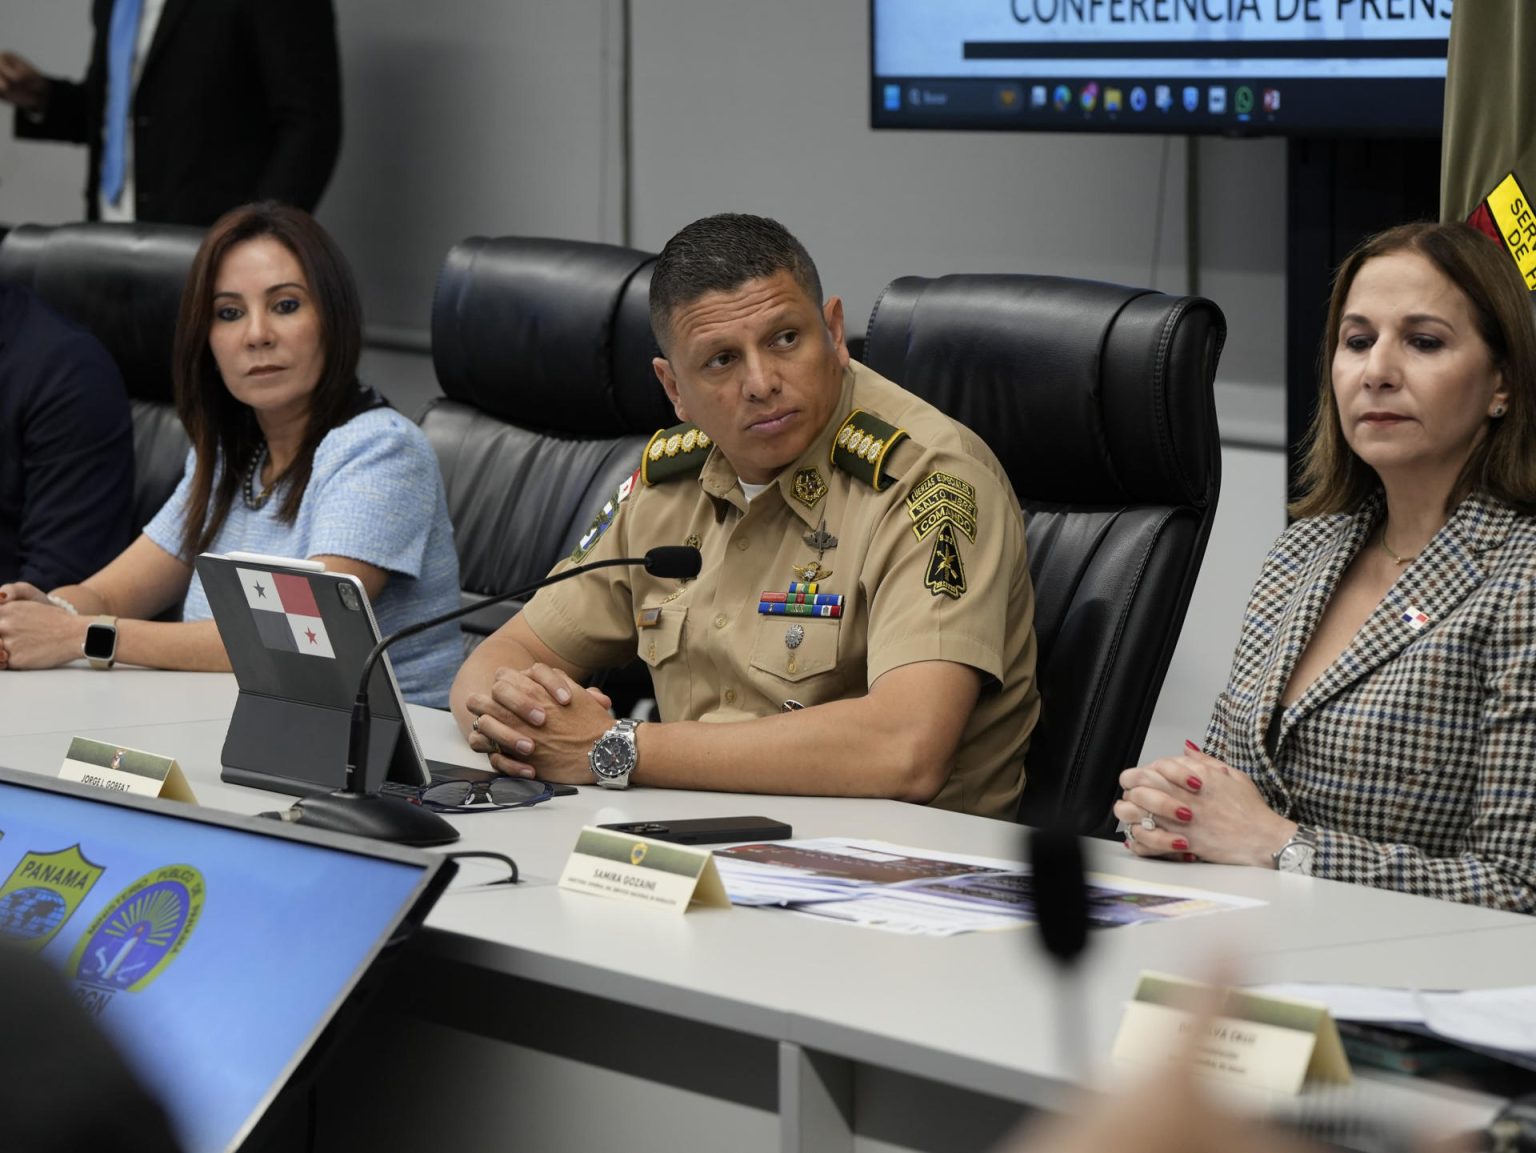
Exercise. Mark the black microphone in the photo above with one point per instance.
(1061, 908)
(351, 809)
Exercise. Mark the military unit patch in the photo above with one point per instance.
(603, 519)
(942, 506)
(862, 445)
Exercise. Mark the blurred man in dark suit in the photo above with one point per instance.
(66, 447)
(191, 107)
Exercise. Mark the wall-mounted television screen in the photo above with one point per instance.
(1234, 67)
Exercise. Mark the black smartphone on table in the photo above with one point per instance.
(706, 830)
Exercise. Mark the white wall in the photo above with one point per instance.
(471, 117)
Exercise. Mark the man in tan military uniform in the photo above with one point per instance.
(862, 623)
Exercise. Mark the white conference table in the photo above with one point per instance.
(569, 1020)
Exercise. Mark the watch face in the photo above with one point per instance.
(1295, 858)
(611, 757)
(100, 642)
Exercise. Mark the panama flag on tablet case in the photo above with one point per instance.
(287, 616)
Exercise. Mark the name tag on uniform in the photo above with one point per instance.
(648, 618)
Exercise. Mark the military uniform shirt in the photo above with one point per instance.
(930, 567)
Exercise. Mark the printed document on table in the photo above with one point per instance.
(909, 890)
(1500, 1019)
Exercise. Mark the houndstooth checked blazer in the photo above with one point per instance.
(1413, 755)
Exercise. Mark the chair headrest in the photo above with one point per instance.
(1071, 382)
(553, 335)
(121, 281)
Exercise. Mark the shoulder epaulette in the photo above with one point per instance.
(862, 445)
(673, 452)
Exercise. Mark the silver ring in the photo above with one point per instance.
(1147, 820)
(476, 726)
(1130, 833)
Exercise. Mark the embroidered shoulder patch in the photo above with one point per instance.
(604, 518)
(674, 451)
(862, 444)
(944, 507)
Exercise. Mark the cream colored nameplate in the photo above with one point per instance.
(655, 873)
(123, 770)
(1262, 1042)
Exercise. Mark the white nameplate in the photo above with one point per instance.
(124, 770)
(630, 868)
(1262, 1042)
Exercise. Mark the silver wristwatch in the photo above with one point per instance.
(614, 755)
(1298, 854)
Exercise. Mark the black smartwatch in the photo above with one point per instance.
(100, 647)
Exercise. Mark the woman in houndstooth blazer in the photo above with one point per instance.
(1379, 724)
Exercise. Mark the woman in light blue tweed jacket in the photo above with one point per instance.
(290, 456)
(1379, 725)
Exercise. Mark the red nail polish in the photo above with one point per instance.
(1184, 814)
(1194, 783)
(1190, 857)
(1180, 843)
(1191, 746)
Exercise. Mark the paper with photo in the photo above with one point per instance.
(909, 890)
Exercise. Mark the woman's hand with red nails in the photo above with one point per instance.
(1203, 808)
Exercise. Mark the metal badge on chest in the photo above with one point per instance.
(804, 597)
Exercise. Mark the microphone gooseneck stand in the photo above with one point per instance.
(352, 809)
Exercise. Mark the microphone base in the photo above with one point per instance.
(372, 815)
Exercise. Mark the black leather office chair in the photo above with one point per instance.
(1098, 400)
(123, 282)
(543, 351)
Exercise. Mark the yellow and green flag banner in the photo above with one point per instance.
(1488, 152)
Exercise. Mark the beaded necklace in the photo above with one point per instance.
(254, 500)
